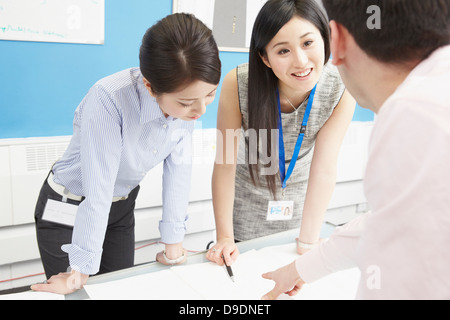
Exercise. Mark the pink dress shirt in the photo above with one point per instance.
(402, 247)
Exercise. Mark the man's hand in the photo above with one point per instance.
(287, 280)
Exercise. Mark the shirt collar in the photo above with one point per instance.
(150, 109)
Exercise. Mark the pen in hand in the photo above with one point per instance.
(229, 270)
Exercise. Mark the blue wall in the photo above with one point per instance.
(41, 84)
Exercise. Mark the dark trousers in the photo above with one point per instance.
(118, 246)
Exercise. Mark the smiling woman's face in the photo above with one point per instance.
(296, 55)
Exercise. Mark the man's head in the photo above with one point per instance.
(406, 30)
(393, 36)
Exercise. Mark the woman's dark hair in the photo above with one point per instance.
(177, 50)
(262, 82)
(409, 30)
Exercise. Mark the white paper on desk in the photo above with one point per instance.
(341, 285)
(32, 295)
(212, 281)
(161, 285)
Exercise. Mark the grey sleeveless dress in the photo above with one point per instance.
(251, 202)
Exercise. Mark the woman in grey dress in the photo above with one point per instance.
(288, 79)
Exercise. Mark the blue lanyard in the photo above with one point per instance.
(282, 158)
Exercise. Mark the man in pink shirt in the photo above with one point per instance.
(394, 58)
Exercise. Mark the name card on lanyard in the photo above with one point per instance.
(280, 206)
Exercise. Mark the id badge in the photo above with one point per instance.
(60, 212)
(280, 210)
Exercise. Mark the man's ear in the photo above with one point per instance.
(337, 42)
(149, 87)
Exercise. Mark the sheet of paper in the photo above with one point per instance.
(211, 282)
(161, 285)
(337, 286)
(32, 295)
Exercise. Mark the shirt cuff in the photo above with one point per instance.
(172, 232)
(310, 266)
(83, 261)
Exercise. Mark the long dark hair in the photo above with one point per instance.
(262, 82)
(178, 50)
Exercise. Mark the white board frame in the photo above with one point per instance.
(65, 21)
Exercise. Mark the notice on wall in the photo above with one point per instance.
(66, 21)
(230, 20)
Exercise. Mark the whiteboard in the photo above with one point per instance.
(230, 20)
(66, 21)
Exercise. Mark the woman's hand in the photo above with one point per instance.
(224, 251)
(174, 254)
(62, 283)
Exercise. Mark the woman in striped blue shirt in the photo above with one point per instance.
(127, 124)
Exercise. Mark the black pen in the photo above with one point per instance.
(230, 272)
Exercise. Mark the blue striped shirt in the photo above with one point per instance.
(119, 134)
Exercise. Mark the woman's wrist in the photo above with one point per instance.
(174, 251)
(225, 239)
(172, 254)
(174, 261)
(306, 244)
